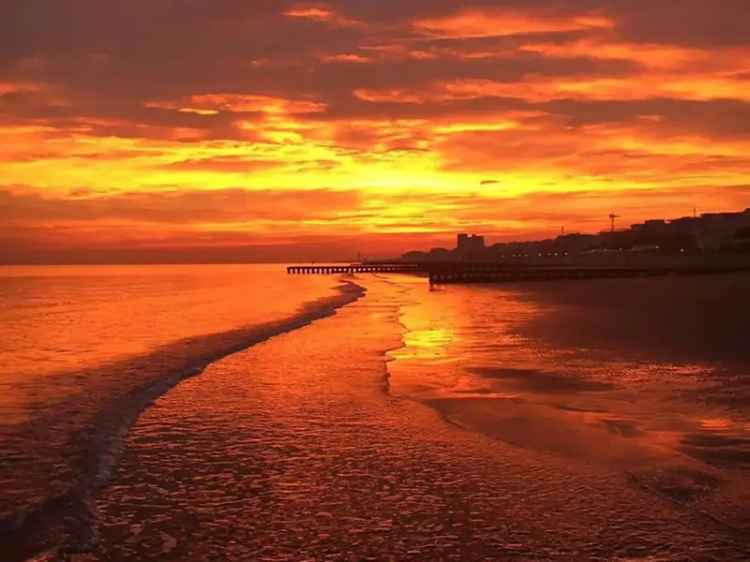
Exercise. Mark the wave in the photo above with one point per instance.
(63, 522)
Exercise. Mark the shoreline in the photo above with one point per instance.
(98, 444)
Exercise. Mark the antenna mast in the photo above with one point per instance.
(612, 218)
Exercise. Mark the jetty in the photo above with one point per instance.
(514, 274)
(379, 267)
(442, 273)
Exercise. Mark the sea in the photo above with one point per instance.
(234, 412)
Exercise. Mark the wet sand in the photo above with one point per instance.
(578, 370)
(687, 319)
(304, 447)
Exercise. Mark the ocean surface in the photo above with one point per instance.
(584, 420)
(84, 349)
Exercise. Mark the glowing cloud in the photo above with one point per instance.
(393, 124)
(492, 23)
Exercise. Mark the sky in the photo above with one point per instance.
(243, 130)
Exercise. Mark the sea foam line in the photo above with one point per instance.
(72, 512)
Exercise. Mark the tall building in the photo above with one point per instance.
(470, 246)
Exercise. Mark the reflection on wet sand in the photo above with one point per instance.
(596, 403)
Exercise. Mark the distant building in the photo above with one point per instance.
(716, 229)
(470, 245)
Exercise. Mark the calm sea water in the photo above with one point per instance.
(58, 319)
(596, 420)
(84, 349)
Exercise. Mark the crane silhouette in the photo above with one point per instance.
(612, 218)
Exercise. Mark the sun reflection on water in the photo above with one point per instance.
(426, 344)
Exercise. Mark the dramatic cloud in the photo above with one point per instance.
(278, 122)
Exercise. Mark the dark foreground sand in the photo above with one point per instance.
(700, 318)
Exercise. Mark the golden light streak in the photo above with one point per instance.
(469, 127)
(321, 14)
(654, 56)
(241, 103)
(347, 57)
(198, 111)
(310, 13)
(493, 23)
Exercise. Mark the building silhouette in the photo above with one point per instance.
(470, 246)
(709, 233)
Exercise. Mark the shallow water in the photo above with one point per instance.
(464, 423)
(64, 318)
(311, 447)
(84, 350)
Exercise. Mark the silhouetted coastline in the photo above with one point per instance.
(708, 238)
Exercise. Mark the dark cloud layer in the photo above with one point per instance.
(107, 59)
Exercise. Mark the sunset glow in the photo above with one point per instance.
(342, 127)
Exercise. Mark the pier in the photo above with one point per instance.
(488, 272)
(385, 267)
(510, 274)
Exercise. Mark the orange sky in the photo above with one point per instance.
(237, 130)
